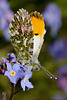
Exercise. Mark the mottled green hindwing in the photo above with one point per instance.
(21, 34)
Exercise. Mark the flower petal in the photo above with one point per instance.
(28, 74)
(8, 54)
(23, 85)
(12, 57)
(4, 59)
(28, 84)
(21, 74)
(14, 79)
(16, 67)
(9, 67)
(7, 73)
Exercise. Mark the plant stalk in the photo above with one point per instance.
(12, 91)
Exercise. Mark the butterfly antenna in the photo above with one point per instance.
(48, 73)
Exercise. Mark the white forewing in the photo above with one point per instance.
(38, 41)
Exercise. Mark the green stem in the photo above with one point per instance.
(12, 91)
(17, 91)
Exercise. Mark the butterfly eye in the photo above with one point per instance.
(36, 34)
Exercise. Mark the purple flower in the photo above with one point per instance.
(25, 81)
(14, 73)
(2, 71)
(2, 23)
(6, 16)
(11, 59)
(58, 49)
(9, 15)
(52, 16)
(4, 5)
(62, 80)
(17, 71)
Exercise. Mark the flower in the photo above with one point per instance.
(17, 71)
(11, 59)
(2, 71)
(62, 80)
(52, 16)
(4, 5)
(58, 49)
(14, 73)
(6, 16)
(25, 81)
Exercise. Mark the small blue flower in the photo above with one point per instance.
(25, 81)
(52, 16)
(11, 59)
(58, 49)
(14, 73)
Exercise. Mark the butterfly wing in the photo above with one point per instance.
(21, 34)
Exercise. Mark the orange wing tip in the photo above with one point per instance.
(37, 23)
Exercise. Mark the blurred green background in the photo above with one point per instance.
(44, 87)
